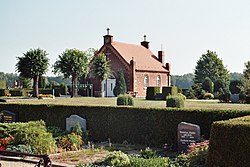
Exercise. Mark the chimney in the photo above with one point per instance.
(161, 57)
(168, 66)
(145, 43)
(108, 39)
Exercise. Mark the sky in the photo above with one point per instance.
(183, 29)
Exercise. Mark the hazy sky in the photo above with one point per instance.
(185, 28)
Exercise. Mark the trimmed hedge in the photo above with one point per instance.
(229, 143)
(2, 84)
(167, 91)
(175, 101)
(57, 92)
(125, 99)
(148, 126)
(151, 92)
(19, 92)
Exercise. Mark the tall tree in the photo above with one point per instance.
(246, 71)
(73, 63)
(33, 64)
(209, 65)
(101, 67)
(120, 84)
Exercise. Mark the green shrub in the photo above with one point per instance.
(229, 143)
(208, 85)
(148, 153)
(182, 96)
(175, 101)
(117, 158)
(151, 92)
(151, 162)
(166, 91)
(20, 148)
(32, 133)
(196, 155)
(70, 142)
(208, 96)
(125, 100)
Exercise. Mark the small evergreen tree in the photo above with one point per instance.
(208, 85)
(120, 85)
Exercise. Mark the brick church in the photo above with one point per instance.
(140, 66)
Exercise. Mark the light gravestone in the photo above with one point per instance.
(187, 133)
(7, 116)
(72, 121)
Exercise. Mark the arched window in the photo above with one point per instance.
(146, 81)
(158, 80)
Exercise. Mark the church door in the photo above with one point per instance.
(108, 87)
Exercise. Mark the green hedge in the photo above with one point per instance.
(2, 84)
(151, 92)
(149, 126)
(125, 99)
(170, 90)
(229, 143)
(19, 92)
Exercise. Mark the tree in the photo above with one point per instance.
(33, 64)
(101, 67)
(209, 65)
(236, 86)
(246, 71)
(120, 85)
(208, 85)
(73, 63)
(183, 81)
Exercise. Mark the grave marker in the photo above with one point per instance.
(72, 121)
(7, 116)
(187, 133)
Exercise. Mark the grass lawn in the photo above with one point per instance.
(138, 102)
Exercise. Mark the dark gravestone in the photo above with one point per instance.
(187, 133)
(7, 116)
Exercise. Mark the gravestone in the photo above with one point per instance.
(7, 116)
(187, 133)
(72, 121)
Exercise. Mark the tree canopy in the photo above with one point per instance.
(209, 65)
(246, 71)
(101, 67)
(32, 64)
(73, 63)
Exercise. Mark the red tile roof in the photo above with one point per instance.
(144, 58)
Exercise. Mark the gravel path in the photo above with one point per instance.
(15, 164)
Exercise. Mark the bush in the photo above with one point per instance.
(208, 85)
(125, 100)
(208, 96)
(182, 96)
(175, 101)
(32, 133)
(70, 142)
(16, 92)
(151, 162)
(166, 91)
(117, 158)
(196, 155)
(148, 153)
(20, 148)
(151, 92)
(229, 143)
